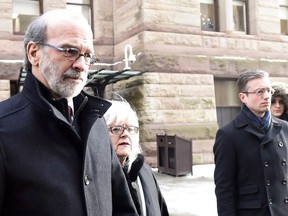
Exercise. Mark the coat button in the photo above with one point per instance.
(266, 163)
(268, 183)
(284, 181)
(270, 201)
(283, 162)
(86, 180)
(281, 144)
(134, 185)
(286, 200)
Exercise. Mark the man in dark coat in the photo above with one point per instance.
(251, 155)
(54, 162)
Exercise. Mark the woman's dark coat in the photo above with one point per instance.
(49, 167)
(155, 203)
(251, 169)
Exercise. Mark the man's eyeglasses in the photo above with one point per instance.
(261, 91)
(118, 130)
(73, 54)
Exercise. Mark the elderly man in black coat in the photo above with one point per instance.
(251, 155)
(56, 161)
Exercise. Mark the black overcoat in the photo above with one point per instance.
(251, 169)
(155, 202)
(49, 169)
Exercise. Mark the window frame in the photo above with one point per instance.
(283, 4)
(216, 14)
(245, 16)
(40, 13)
(90, 5)
(228, 104)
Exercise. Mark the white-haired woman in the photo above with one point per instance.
(123, 126)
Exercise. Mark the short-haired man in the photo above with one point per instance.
(251, 155)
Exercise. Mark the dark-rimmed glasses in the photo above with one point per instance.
(73, 54)
(261, 91)
(118, 130)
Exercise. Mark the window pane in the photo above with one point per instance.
(207, 17)
(79, 1)
(226, 114)
(228, 103)
(283, 26)
(226, 93)
(80, 6)
(283, 2)
(24, 11)
(85, 10)
(239, 16)
(283, 19)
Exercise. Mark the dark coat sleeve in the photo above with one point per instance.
(225, 174)
(122, 202)
(155, 202)
(161, 200)
(2, 178)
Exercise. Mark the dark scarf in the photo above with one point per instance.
(262, 123)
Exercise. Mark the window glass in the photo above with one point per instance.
(24, 11)
(239, 16)
(78, 1)
(228, 103)
(82, 6)
(226, 93)
(283, 17)
(207, 15)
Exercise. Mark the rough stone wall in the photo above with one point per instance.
(11, 46)
(4, 89)
(104, 30)
(170, 39)
(176, 93)
(266, 16)
(174, 50)
(181, 104)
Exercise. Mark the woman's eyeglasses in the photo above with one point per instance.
(118, 130)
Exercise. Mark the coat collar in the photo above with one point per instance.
(39, 95)
(241, 121)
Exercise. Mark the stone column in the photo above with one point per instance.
(226, 16)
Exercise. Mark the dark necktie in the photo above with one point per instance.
(70, 114)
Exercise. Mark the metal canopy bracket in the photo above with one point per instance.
(98, 80)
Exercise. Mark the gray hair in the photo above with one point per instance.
(36, 32)
(248, 75)
(117, 113)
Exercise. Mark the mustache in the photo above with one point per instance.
(74, 74)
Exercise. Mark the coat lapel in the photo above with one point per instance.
(275, 128)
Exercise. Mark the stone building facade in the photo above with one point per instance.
(188, 84)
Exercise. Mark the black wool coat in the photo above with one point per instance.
(49, 167)
(251, 169)
(155, 202)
